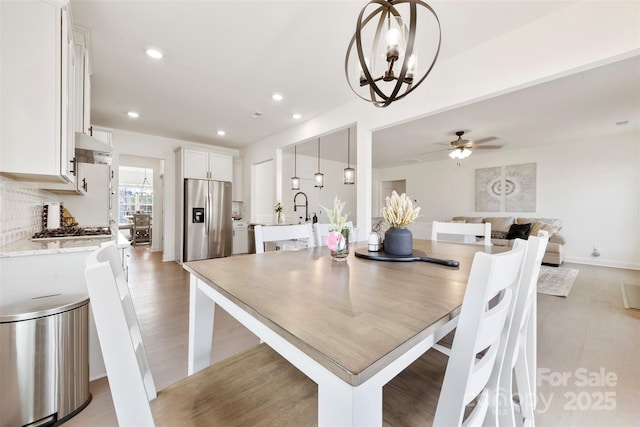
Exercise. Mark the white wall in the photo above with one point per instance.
(593, 189)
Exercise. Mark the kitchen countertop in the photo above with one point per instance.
(27, 247)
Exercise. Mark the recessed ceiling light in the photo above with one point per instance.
(277, 97)
(296, 116)
(154, 53)
(221, 133)
(133, 114)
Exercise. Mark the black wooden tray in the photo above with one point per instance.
(415, 256)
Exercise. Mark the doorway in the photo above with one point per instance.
(139, 190)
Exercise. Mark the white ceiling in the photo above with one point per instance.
(224, 59)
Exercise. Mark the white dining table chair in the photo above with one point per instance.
(467, 380)
(282, 235)
(256, 386)
(520, 360)
(468, 231)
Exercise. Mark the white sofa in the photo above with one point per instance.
(501, 226)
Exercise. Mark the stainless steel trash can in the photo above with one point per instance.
(44, 367)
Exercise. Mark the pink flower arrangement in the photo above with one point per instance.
(335, 241)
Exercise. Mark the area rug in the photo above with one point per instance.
(631, 296)
(556, 281)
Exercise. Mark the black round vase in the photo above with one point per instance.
(398, 241)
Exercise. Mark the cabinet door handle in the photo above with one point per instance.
(73, 162)
(84, 184)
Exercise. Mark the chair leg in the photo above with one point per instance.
(523, 383)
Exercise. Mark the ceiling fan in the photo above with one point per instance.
(462, 148)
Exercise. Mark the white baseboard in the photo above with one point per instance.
(604, 263)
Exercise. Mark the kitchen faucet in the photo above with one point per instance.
(306, 205)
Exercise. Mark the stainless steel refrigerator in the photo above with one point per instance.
(208, 231)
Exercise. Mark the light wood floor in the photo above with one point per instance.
(585, 341)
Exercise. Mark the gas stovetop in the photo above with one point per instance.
(72, 233)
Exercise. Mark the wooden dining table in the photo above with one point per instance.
(349, 326)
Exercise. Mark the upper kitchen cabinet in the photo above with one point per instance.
(206, 165)
(38, 66)
(237, 191)
(83, 81)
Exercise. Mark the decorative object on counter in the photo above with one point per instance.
(51, 215)
(374, 242)
(349, 172)
(68, 220)
(399, 213)
(338, 237)
(387, 32)
(279, 214)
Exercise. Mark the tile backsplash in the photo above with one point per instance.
(21, 205)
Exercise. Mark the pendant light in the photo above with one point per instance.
(386, 31)
(318, 177)
(145, 181)
(295, 180)
(349, 172)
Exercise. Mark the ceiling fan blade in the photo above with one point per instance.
(486, 147)
(434, 151)
(484, 140)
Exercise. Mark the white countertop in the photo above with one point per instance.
(27, 247)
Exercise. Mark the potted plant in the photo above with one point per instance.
(398, 213)
(338, 237)
(279, 215)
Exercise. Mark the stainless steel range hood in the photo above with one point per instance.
(92, 150)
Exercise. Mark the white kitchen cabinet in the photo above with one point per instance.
(237, 191)
(240, 241)
(82, 82)
(206, 165)
(38, 80)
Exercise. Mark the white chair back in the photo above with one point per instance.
(278, 233)
(469, 230)
(125, 359)
(321, 231)
(521, 342)
(482, 327)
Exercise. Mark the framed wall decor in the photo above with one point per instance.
(489, 189)
(506, 188)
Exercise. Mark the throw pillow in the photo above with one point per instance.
(537, 226)
(519, 231)
(498, 234)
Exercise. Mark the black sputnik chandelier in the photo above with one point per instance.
(384, 49)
